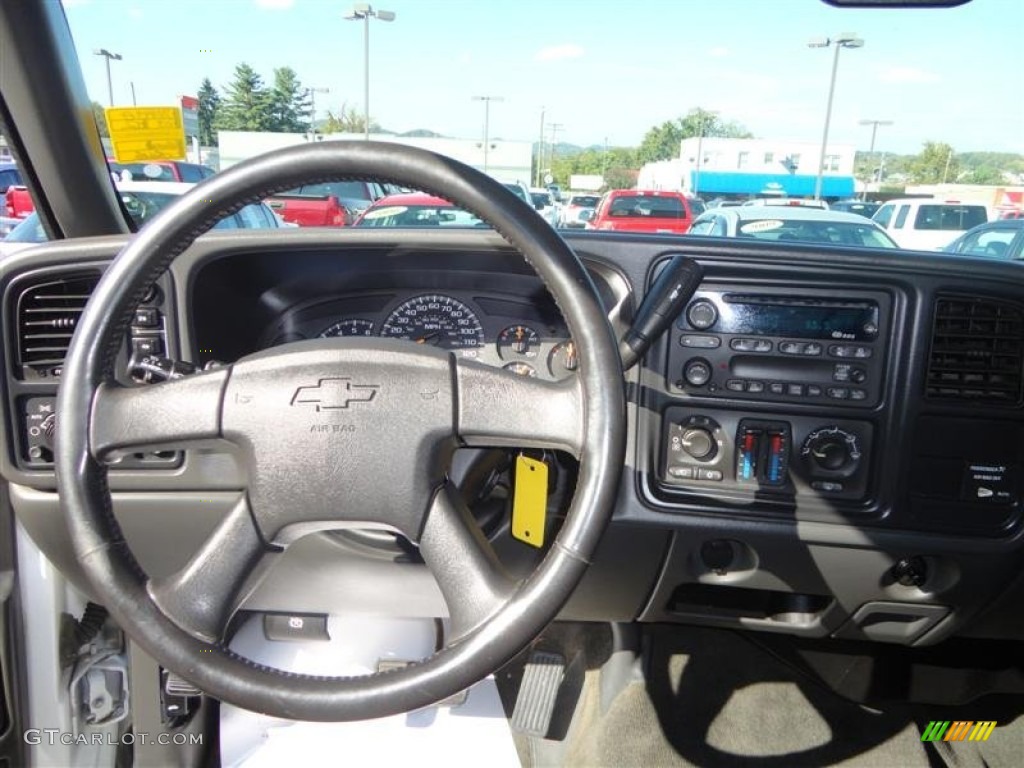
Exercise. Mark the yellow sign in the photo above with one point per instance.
(141, 134)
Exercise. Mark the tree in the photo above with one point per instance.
(661, 142)
(289, 103)
(209, 106)
(247, 103)
(348, 120)
(983, 174)
(101, 119)
(935, 164)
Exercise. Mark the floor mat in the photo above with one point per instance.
(714, 698)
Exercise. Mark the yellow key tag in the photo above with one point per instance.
(530, 501)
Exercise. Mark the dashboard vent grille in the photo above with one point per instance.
(48, 313)
(977, 351)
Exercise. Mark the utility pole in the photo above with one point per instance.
(871, 152)
(134, 102)
(555, 128)
(949, 159)
(540, 151)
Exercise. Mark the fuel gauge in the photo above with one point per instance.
(518, 342)
(563, 360)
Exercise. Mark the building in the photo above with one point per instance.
(753, 168)
(506, 160)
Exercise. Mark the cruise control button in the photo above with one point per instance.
(838, 393)
(700, 342)
(144, 346)
(146, 317)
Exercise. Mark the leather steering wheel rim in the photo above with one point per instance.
(121, 584)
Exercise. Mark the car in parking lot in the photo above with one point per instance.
(927, 223)
(569, 215)
(1000, 239)
(654, 211)
(415, 209)
(797, 224)
(860, 207)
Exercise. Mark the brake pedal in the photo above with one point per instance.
(538, 693)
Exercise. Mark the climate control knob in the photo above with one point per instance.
(831, 452)
(699, 443)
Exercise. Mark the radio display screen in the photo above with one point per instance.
(855, 322)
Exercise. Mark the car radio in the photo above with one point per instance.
(808, 347)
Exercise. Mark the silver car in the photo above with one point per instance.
(799, 224)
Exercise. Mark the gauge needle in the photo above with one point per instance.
(430, 336)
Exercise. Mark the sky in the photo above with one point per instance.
(602, 70)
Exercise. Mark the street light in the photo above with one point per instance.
(108, 56)
(871, 152)
(364, 12)
(487, 122)
(312, 109)
(844, 40)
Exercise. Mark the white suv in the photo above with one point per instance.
(927, 224)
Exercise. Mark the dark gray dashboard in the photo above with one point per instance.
(840, 458)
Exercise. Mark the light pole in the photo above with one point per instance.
(700, 150)
(540, 150)
(487, 122)
(555, 128)
(312, 109)
(871, 152)
(364, 12)
(108, 56)
(844, 40)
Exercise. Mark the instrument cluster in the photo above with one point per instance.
(501, 330)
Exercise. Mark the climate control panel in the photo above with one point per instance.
(710, 450)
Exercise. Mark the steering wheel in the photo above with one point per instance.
(394, 412)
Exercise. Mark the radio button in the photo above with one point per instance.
(777, 388)
(812, 348)
(762, 345)
(702, 314)
(795, 390)
(697, 372)
(791, 347)
(813, 390)
(736, 385)
(858, 394)
(743, 345)
(850, 350)
(700, 342)
(838, 393)
(755, 386)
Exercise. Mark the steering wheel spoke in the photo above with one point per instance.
(169, 414)
(499, 408)
(471, 577)
(202, 597)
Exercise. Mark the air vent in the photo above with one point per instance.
(48, 313)
(977, 351)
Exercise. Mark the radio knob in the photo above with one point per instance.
(699, 443)
(702, 314)
(697, 372)
(832, 452)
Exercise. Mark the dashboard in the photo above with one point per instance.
(823, 444)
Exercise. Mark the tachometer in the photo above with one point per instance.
(352, 327)
(438, 320)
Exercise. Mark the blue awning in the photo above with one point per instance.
(793, 185)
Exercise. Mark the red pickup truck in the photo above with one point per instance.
(334, 204)
(17, 203)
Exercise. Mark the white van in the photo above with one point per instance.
(927, 224)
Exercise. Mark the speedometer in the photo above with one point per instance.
(438, 320)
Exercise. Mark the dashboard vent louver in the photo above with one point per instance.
(977, 351)
(48, 313)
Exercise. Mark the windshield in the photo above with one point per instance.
(829, 104)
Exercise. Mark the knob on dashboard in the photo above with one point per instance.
(832, 452)
(697, 372)
(699, 443)
(702, 314)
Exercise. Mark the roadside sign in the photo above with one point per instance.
(139, 134)
(548, 178)
(190, 115)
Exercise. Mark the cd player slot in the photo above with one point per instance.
(750, 367)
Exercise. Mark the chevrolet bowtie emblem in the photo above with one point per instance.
(334, 394)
